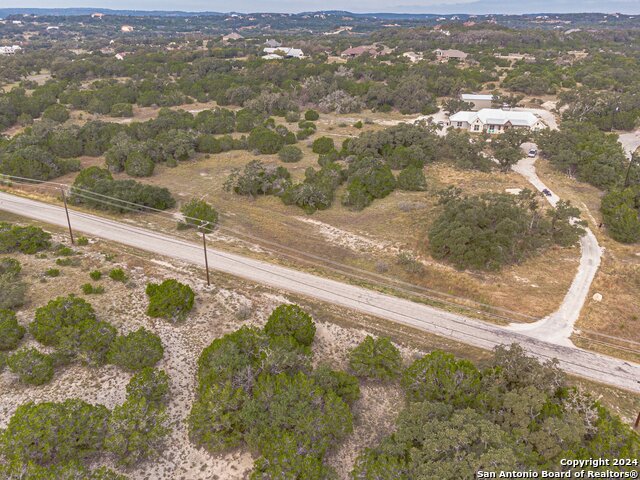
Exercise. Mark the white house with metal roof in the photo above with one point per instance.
(284, 51)
(492, 120)
(479, 101)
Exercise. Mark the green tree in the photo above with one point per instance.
(150, 384)
(375, 359)
(55, 433)
(52, 321)
(439, 377)
(136, 350)
(323, 145)
(136, 430)
(311, 115)
(265, 141)
(170, 299)
(138, 164)
(56, 112)
(291, 321)
(199, 214)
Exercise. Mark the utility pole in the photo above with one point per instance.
(66, 209)
(206, 261)
(637, 422)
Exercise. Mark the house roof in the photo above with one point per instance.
(451, 53)
(233, 36)
(360, 50)
(272, 43)
(288, 51)
(494, 116)
(475, 96)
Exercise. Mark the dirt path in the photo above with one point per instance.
(558, 327)
(630, 142)
(597, 367)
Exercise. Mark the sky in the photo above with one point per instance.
(399, 6)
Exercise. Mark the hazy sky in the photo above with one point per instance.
(400, 6)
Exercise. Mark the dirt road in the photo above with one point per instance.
(590, 365)
(558, 327)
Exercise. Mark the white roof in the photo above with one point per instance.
(475, 96)
(463, 117)
(494, 116)
(288, 51)
(272, 56)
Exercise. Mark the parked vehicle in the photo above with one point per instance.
(532, 153)
(546, 192)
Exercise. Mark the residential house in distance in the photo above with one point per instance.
(10, 50)
(479, 101)
(232, 37)
(491, 120)
(373, 50)
(284, 52)
(446, 55)
(97, 15)
(413, 56)
(126, 28)
(272, 43)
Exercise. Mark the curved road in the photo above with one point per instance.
(590, 365)
(558, 327)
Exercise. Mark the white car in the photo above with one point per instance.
(532, 153)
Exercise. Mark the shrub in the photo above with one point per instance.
(118, 275)
(358, 124)
(170, 299)
(208, 143)
(139, 164)
(11, 332)
(311, 115)
(12, 291)
(93, 184)
(292, 116)
(412, 179)
(52, 272)
(265, 141)
(27, 240)
(323, 145)
(10, 267)
(89, 289)
(199, 214)
(67, 262)
(56, 112)
(376, 359)
(290, 154)
(291, 321)
(150, 384)
(136, 350)
(439, 376)
(32, 366)
(121, 110)
(82, 241)
(409, 262)
(55, 433)
(58, 316)
(95, 275)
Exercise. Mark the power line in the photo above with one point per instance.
(137, 208)
(478, 325)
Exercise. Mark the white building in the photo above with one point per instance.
(284, 52)
(12, 50)
(479, 101)
(491, 120)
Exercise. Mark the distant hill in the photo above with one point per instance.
(5, 12)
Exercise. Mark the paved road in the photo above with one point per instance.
(630, 142)
(558, 327)
(456, 327)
